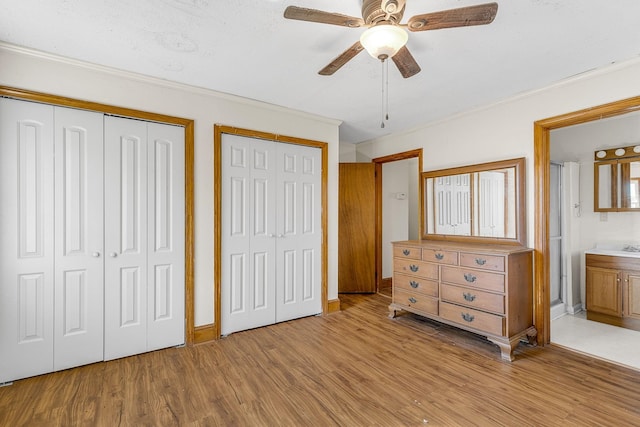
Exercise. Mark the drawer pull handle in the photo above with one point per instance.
(468, 296)
(406, 252)
(467, 317)
(413, 268)
(413, 284)
(412, 300)
(469, 277)
(481, 261)
(439, 256)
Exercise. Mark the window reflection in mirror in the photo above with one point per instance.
(479, 202)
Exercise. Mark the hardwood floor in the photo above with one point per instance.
(352, 368)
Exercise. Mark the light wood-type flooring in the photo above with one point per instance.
(352, 368)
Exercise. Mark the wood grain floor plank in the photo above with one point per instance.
(356, 367)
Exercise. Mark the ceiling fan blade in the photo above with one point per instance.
(465, 16)
(406, 63)
(313, 15)
(342, 59)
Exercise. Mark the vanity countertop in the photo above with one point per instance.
(623, 250)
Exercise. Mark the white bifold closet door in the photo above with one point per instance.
(144, 236)
(271, 232)
(91, 237)
(51, 289)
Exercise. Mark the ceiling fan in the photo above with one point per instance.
(385, 16)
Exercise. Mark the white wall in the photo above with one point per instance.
(347, 153)
(395, 211)
(31, 70)
(505, 130)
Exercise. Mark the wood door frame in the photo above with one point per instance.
(541, 137)
(379, 161)
(188, 124)
(218, 131)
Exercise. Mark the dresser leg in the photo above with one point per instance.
(392, 312)
(506, 348)
(532, 334)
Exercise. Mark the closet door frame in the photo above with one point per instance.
(218, 131)
(188, 125)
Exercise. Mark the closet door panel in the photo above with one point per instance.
(27, 239)
(248, 234)
(79, 238)
(298, 252)
(165, 317)
(125, 174)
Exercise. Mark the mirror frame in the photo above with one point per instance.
(520, 215)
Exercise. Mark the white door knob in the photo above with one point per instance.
(96, 254)
(114, 254)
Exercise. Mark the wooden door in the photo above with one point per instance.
(26, 239)
(299, 231)
(632, 280)
(357, 228)
(79, 234)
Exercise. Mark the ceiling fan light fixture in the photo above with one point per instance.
(384, 41)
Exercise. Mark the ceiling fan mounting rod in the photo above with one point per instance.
(376, 11)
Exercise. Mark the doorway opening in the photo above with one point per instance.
(398, 209)
(545, 270)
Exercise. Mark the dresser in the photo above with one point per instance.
(484, 289)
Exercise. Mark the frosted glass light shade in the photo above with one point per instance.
(384, 41)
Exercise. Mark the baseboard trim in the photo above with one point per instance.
(204, 333)
(333, 306)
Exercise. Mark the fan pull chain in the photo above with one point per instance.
(386, 78)
(383, 96)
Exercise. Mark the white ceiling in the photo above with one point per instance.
(246, 48)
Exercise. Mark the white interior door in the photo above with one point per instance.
(299, 231)
(491, 202)
(27, 239)
(453, 194)
(79, 259)
(125, 158)
(271, 232)
(248, 234)
(166, 250)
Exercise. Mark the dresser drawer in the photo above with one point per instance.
(416, 301)
(416, 268)
(442, 257)
(407, 252)
(478, 279)
(485, 322)
(485, 262)
(415, 284)
(473, 298)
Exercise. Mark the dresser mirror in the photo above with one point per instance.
(476, 203)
